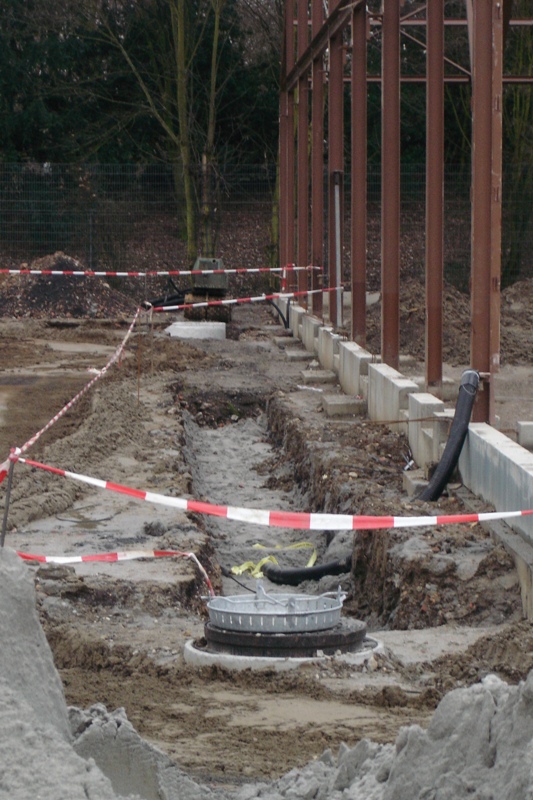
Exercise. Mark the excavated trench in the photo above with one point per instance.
(118, 633)
(283, 454)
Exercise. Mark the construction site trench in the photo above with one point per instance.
(233, 423)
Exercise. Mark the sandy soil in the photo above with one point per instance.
(226, 422)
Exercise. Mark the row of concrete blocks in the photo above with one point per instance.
(388, 395)
(492, 466)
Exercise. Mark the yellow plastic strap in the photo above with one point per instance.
(296, 546)
(252, 568)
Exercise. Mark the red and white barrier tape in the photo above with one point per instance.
(283, 519)
(130, 555)
(4, 467)
(154, 273)
(259, 299)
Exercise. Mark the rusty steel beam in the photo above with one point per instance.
(341, 11)
(335, 171)
(451, 22)
(499, 20)
(359, 174)
(434, 194)
(289, 187)
(303, 158)
(283, 211)
(317, 160)
(390, 185)
(482, 147)
(507, 79)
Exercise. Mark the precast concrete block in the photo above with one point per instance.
(388, 392)
(282, 304)
(296, 315)
(293, 354)
(524, 432)
(328, 347)
(448, 391)
(310, 330)
(353, 363)
(339, 405)
(422, 408)
(310, 376)
(441, 431)
(499, 471)
(403, 416)
(197, 330)
(346, 300)
(414, 482)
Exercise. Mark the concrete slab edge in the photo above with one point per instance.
(201, 658)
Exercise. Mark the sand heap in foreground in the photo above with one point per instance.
(479, 744)
(49, 752)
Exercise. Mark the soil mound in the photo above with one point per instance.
(50, 296)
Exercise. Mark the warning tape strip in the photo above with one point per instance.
(282, 519)
(154, 273)
(259, 299)
(130, 555)
(4, 467)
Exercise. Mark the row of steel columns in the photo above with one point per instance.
(302, 146)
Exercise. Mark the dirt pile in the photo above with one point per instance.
(52, 296)
(476, 744)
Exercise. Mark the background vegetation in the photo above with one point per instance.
(188, 90)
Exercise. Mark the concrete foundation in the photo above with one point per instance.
(524, 432)
(319, 376)
(196, 657)
(338, 405)
(197, 330)
(492, 466)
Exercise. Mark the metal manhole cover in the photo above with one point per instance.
(276, 613)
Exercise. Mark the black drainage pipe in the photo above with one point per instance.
(294, 576)
(463, 411)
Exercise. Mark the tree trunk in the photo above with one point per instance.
(180, 38)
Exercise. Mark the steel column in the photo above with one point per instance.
(390, 185)
(317, 159)
(303, 158)
(359, 173)
(291, 155)
(283, 205)
(434, 193)
(335, 169)
(498, 34)
(482, 207)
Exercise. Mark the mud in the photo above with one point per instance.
(225, 422)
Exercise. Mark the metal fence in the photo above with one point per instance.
(131, 217)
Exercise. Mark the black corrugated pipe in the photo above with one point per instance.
(463, 411)
(294, 576)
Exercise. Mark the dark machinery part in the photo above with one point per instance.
(348, 636)
(294, 576)
(463, 411)
(175, 298)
